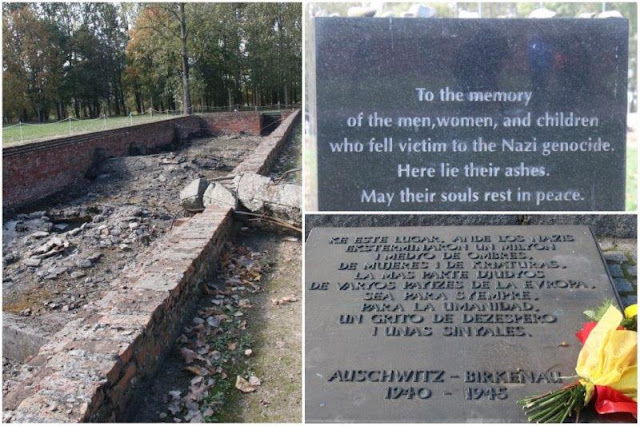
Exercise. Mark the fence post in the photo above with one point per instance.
(21, 137)
(70, 132)
(151, 111)
(104, 120)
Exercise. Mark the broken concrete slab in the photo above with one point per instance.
(191, 195)
(261, 195)
(219, 195)
(22, 337)
(251, 190)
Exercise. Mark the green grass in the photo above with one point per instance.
(25, 133)
(632, 179)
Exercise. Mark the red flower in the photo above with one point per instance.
(586, 330)
(610, 401)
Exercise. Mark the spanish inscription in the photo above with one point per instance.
(417, 114)
(441, 324)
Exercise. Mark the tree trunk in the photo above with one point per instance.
(186, 95)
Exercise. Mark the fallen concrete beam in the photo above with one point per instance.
(261, 195)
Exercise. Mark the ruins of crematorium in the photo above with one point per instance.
(134, 258)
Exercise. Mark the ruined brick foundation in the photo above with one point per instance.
(90, 369)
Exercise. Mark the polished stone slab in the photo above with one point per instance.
(471, 114)
(444, 323)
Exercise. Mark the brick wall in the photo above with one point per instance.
(36, 170)
(261, 160)
(91, 368)
(250, 122)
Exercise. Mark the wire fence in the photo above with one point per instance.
(23, 133)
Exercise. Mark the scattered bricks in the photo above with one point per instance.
(615, 257)
(622, 285)
(616, 271)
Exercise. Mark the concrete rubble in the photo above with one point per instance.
(191, 195)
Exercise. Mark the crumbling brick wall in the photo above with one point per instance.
(37, 170)
(91, 368)
(261, 160)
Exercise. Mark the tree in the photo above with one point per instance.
(88, 59)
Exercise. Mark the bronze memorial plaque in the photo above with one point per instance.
(444, 324)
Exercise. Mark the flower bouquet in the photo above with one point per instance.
(606, 370)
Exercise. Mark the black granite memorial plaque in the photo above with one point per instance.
(444, 324)
(487, 114)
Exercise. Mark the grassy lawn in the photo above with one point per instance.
(12, 135)
(276, 332)
(27, 132)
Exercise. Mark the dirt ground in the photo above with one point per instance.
(260, 340)
(100, 229)
(96, 232)
(278, 346)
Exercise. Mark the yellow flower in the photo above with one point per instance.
(631, 311)
(608, 357)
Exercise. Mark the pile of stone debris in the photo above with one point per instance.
(83, 249)
(55, 260)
